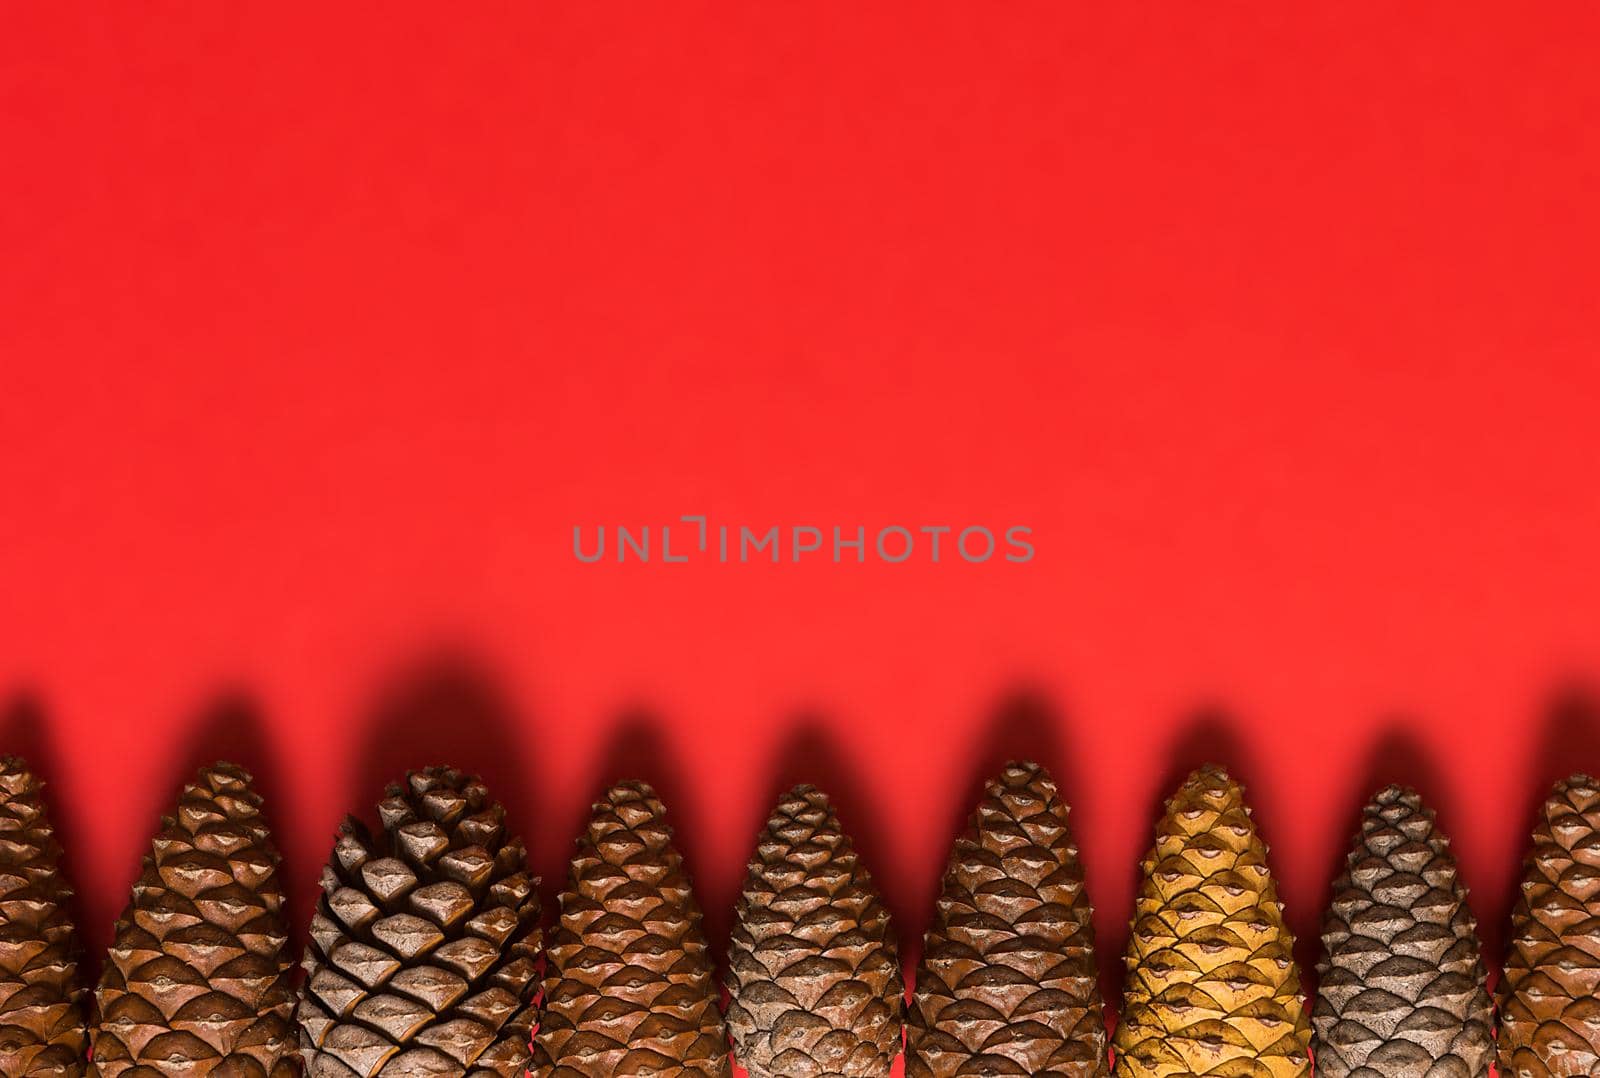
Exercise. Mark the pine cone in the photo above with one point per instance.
(424, 948)
(41, 1006)
(1401, 979)
(1007, 982)
(1550, 1007)
(1212, 985)
(197, 980)
(630, 988)
(813, 970)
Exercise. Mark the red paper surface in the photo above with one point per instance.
(322, 328)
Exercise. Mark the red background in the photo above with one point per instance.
(322, 328)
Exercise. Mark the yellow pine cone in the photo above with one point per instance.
(1212, 985)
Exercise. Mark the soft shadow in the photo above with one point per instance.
(1569, 742)
(1210, 737)
(232, 729)
(1023, 727)
(1397, 758)
(638, 749)
(445, 711)
(809, 753)
(25, 732)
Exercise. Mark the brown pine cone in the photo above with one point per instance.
(813, 970)
(1550, 1001)
(1401, 979)
(630, 989)
(425, 945)
(1212, 985)
(41, 1004)
(197, 980)
(1007, 983)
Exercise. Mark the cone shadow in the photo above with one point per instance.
(809, 753)
(1569, 742)
(1397, 758)
(638, 749)
(1210, 737)
(232, 729)
(445, 711)
(1023, 727)
(25, 733)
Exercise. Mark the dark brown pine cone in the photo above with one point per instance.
(1550, 1001)
(814, 974)
(425, 944)
(1007, 984)
(630, 989)
(41, 1005)
(197, 980)
(1402, 981)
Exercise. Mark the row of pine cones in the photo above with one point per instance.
(426, 956)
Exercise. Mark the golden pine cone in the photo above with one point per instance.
(1212, 986)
